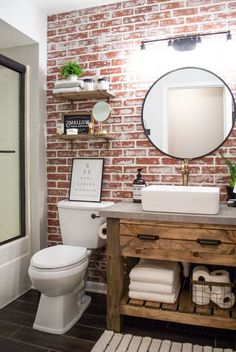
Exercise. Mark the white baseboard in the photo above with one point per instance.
(98, 287)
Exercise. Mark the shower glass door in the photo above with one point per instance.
(12, 188)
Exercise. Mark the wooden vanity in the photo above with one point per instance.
(201, 239)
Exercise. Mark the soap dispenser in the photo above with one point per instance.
(138, 184)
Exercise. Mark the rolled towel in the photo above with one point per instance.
(220, 276)
(156, 297)
(154, 287)
(223, 301)
(156, 271)
(201, 293)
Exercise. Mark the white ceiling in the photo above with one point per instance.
(53, 7)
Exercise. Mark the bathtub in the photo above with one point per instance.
(14, 262)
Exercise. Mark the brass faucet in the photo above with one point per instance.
(185, 172)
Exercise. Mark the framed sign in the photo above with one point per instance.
(86, 179)
(78, 121)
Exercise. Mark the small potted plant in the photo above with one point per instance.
(232, 182)
(71, 70)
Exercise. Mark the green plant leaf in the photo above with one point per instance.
(232, 169)
(71, 68)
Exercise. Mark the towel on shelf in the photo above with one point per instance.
(156, 271)
(154, 287)
(68, 84)
(67, 90)
(156, 297)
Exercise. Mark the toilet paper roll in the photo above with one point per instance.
(102, 231)
(201, 273)
(223, 301)
(220, 276)
(200, 296)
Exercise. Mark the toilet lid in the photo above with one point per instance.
(58, 257)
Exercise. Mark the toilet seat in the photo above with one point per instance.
(60, 256)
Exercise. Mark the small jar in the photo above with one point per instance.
(60, 127)
(102, 83)
(89, 84)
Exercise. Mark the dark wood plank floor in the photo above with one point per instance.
(16, 333)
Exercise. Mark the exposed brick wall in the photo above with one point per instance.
(105, 41)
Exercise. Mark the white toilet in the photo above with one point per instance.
(58, 272)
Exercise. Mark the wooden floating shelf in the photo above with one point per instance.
(183, 311)
(85, 95)
(84, 136)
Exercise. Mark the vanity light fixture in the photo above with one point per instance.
(184, 43)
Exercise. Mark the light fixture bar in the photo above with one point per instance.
(187, 42)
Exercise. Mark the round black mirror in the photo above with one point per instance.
(188, 113)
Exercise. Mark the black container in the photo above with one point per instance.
(138, 184)
(230, 193)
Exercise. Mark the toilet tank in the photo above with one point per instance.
(80, 221)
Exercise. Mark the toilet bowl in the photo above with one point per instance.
(59, 272)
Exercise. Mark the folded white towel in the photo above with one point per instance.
(156, 297)
(66, 90)
(157, 271)
(68, 84)
(154, 287)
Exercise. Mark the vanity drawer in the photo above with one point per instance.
(179, 231)
(181, 243)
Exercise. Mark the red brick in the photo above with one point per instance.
(212, 8)
(172, 5)
(198, 19)
(64, 15)
(51, 184)
(147, 9)
(110, 8)
(185, 12)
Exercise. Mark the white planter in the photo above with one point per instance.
(72, 78)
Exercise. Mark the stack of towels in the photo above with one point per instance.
(155, 280)
(68, 86)
(221, 294)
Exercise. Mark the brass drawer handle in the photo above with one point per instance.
(210, 242)
(148, 237)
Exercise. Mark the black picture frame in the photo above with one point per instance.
(86, 179)
(77, 120)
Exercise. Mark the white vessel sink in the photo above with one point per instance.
(181, 199)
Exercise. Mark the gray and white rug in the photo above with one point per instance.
(115, 342)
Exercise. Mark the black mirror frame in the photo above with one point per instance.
(233, 114)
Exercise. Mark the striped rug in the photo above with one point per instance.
(114, 342)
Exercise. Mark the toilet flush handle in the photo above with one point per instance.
(94, 216)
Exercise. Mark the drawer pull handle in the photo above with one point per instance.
(208, 242)
(94, 216)
(148, 237)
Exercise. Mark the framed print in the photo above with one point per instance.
(77, 121)
(86, 179)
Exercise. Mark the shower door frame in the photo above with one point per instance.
(21, 69)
